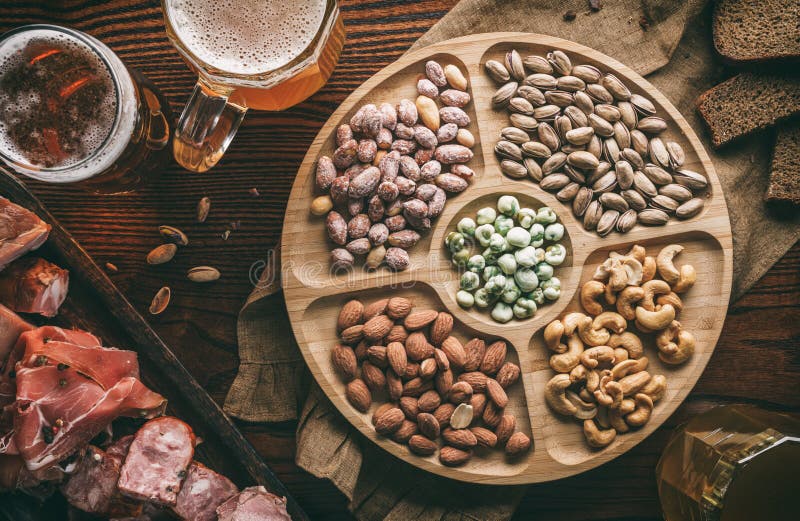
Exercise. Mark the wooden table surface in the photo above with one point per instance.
(756, 361)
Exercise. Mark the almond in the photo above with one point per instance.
(443, 414)
(505, 428)
(377, 327)
(377, 355)
(380, 410)
(374, 309)
(421, 445)
(492, 414)
(427, 368)
(398, 307)
(358, 395)
(441, 328)
(361, 350)
(453, 457)
(412, 371)
(398, 333)
(519, 443)
(462, 416)
(460, 392)
(444, 381)
(429, 401)
(417, 346)
(353, 334)
(344, 361)
(476, 380)
(494, 357)
(373, 377)
(478, 403)
(389, 421)
(406, 430)
(419, 319)
(410, 407)
(396, 356)
(441, 360)
(428, 425)
(508, 375)
(394, 385)
(496, 393)
(459, 438)
(474, 349)
(454, 351)
(350, 315)
(416, 386)
(485, 437)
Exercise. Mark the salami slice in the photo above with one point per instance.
(254, 504)
(94, 483)
(202, 492)
(157, 461)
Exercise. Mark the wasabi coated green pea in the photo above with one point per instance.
(454, 241)
(495, 285)
(486, 216)
(497, 243)
(507, 263)
(546, 215)
(465, 299)
(554, 232)
(489, 255)
(461, 257)
(503, 224)
(518, 237)
(537, 235)
(508, 205)
(490, 271)
(483, 233)
(551, 289)
(526, 279)
(483, 299)
(555, 254)
(526, 217)
(511, 292)
(502, 312)
(539, 254)
(470, 281)
(466, 226)
(476, 263)
(544, 271)
(537, 296)
(524, 308)
(526, 257)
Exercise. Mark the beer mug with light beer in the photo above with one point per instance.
(259, 54)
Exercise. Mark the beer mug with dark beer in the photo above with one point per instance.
(258, 54)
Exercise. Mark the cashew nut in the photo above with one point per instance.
(552, 336)
(602, 418)
(640, 415)
(623, 368)
(656, 387)
(648, 268)
(571, 322)
(652, 289)
(578, 374)
(655, 320)
(595, 437)
(566, 362)
(594, 356)
(616, 421)
(634, 270)
(671, 352)
(620, 355)
(670, 298)
(555, 394)
(637, 252)
(585, 395)
(603, 271)
(633, 383)
(610, 295)
(618, 277)
(593, 379)
(591, 336)
(630, 342)
(609, 393)
(627, 300)
(586, 410)
(627, 406)
(687, 279)
(666, 268)
(590, 292)
(610, 320)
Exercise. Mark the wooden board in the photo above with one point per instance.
(314, 296)
(94, 304)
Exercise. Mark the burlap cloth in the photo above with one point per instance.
(272, 384)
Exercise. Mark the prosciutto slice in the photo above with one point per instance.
(254, 504)
(202, 492)
(20, 231)
(11, 327)
(33, 285)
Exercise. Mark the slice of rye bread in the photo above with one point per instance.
(784, 179)
(756, 31)
(746, 103)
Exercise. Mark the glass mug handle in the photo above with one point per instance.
(206, 127)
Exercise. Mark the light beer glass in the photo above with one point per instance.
(257, 54)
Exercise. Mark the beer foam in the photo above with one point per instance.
(246, 36)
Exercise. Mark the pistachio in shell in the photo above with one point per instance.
(173, 235)
(203, 274)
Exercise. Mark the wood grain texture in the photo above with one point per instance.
(314, 296)
(754, 361)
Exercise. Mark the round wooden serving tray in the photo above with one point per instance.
(314, 296)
